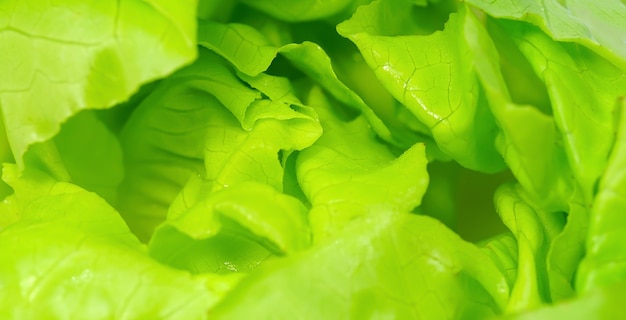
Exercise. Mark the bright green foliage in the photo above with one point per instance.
(431, 75)
(347, 173)
(251, 53)
(546, 177)
(604, 264)
(502, 250)
(101, 170)
(204, 121)
(302, 10)
(598, 25)
(65, 56)
(240, 44)
(274, 159)
(6, 156)
(246, 207)
(96, 268)
(582, 105)
(384, 265)
(313, 61)
(604, 303)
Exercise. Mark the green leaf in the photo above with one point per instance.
(599, 25)
(567, 249)
(540, 165)
(223, 254)
(204, 121)
(535, 230)
(252, 53)
(96, 268)
(386, 264)
(94, 62)
(5, 156)
(231, 229)
(583, 111)
(235, 154)
(348, 173)
(275, 88)
(304, 10)
(163, 142)
(502, 250)
(100, 168)
(404, 127)
(315, 63)
(216, 10)
(243, 46)
(529, 290)
(250, 208)
(602, 303)
(604, 263)
(432, 76)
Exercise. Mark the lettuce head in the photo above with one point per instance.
(313, 159)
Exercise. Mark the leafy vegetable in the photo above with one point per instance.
(312, 159)
(96, 268)
(95, 61)
(376, 267)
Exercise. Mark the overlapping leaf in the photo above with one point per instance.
(51, 69)
(387, 264)
(600, 25)
(348, 173)
(431, 75)
(94, 262)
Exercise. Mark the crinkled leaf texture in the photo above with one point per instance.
(251, 53)
(301, 10)
(431, 75)
(204, 120)
(95, 269)
(600, 25)
(383, 265)
(347, 172)
(268, 214)
(605, 262)
(94, 62)
(277, 191)
(233, 229)
(601, 303)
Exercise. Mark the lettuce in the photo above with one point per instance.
(273, 159)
